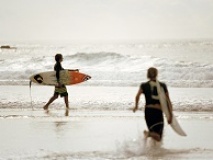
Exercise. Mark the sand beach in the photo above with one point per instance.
(88, 131)
(115, 42)
(100, 123)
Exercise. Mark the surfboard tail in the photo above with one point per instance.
(166, 109)
(176, 127)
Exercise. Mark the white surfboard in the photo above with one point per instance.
(67, 77)
(165, 104)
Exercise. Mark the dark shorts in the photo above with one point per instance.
(154, 120)
(62, 91)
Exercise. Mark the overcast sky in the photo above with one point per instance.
(23, 20)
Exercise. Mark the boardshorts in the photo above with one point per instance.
(154, 120)
(62, 91)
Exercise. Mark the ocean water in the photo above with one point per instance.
(117, 69)
(100, 123)
(180, 63)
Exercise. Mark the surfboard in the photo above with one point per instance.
(166, 105)
(67, 77)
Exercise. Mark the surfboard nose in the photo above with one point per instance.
(87, 78)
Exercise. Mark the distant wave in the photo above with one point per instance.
(112, 69)
(114, 64)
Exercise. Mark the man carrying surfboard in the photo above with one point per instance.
(153, 108)
(60, 89)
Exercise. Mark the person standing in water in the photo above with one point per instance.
(60, 89)
(153, 112)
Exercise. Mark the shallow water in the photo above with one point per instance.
(98, 135)
(100, 123)
(101, 98)
(180, 63)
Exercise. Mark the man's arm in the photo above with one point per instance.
(169, 107)
(137, 98)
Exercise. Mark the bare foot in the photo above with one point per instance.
(45, 107)
(146, 133)
(67, 112)
(154, 135)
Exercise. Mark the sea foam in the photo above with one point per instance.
(114, 65)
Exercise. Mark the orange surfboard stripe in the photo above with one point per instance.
(77, 77)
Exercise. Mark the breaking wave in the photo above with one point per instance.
(111, 69)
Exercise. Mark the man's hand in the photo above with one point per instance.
(170, 119)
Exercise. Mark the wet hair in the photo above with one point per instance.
(58, 56)
(152, 73)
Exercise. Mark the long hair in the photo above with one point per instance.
(152, 73)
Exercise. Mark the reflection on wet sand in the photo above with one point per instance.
(48, 112)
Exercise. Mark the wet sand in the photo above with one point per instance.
(99, 135)
(99, 125)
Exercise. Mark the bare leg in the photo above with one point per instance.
(66, 102)
(154, 135)
(67, 112)
(50, 101)
(146, 134)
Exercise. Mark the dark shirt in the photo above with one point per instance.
(151, 91)
(58, 68)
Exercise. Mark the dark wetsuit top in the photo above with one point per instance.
(62, 89)
(154, 117)
(150, 91)
(58, 68)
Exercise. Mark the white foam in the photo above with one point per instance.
(96, 98)
(113, 65)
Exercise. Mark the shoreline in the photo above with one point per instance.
(98, 113)
(102, 98)
(99, 135)
(99, 125)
